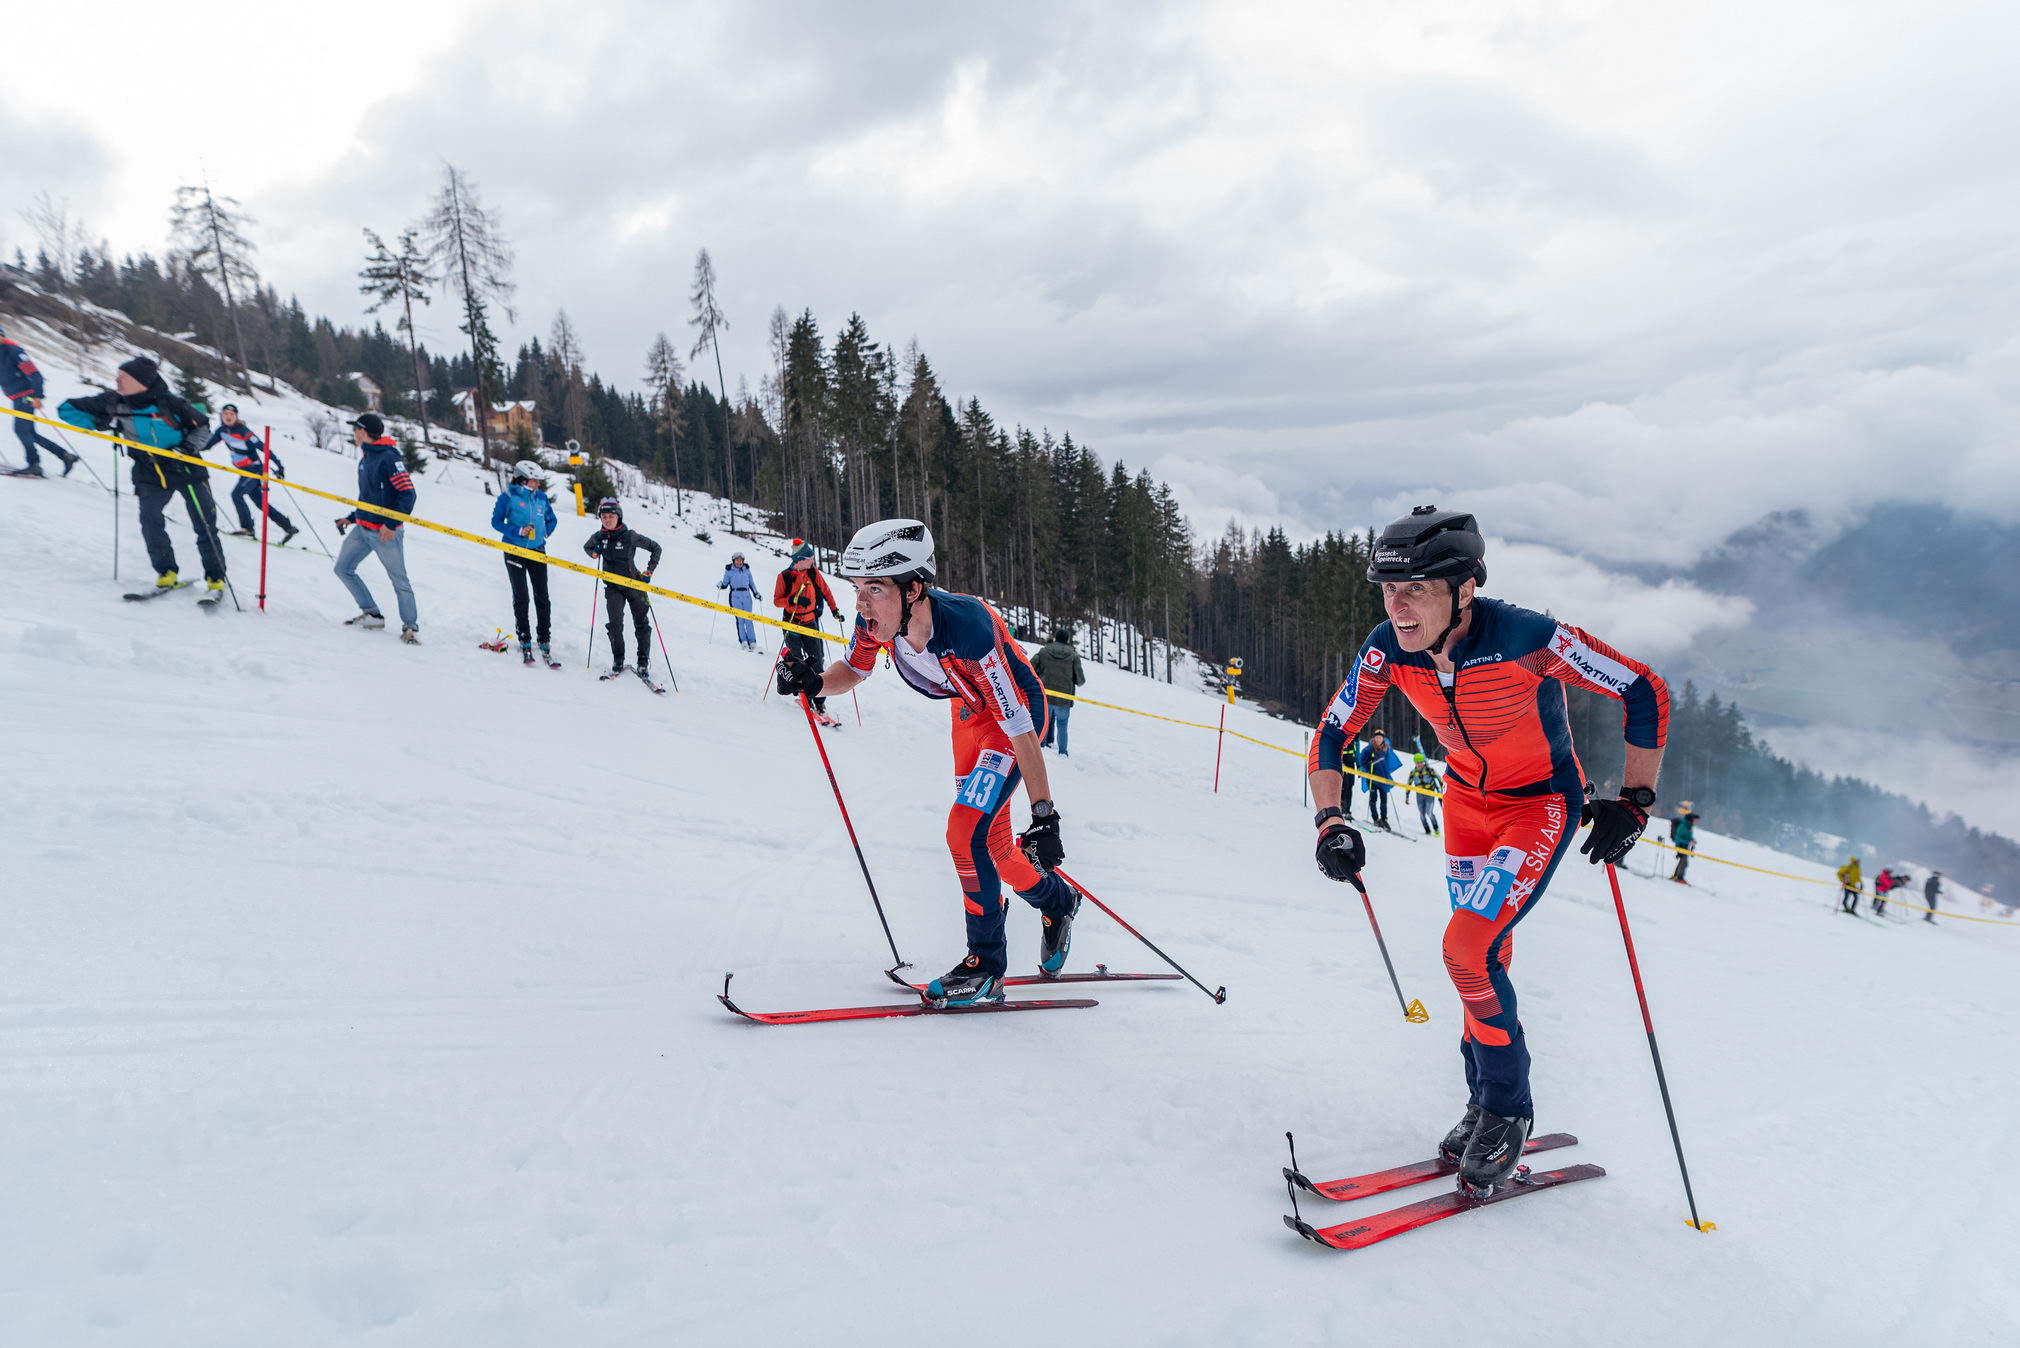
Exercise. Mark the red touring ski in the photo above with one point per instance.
(919, 1008)
(1379, 1226)
(1381, 1181)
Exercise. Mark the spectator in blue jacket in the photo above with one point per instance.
(21, 385)
(1382, 763)
(382, 481)
(736, 578)
(247, 451)
(524, 517)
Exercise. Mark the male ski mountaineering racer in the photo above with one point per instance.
(955, 646)
(1489, 676)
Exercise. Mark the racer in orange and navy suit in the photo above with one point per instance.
(954, 646)
(1491, 680)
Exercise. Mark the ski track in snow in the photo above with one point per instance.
(355, 992)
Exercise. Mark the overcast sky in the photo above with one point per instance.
(1619, 277)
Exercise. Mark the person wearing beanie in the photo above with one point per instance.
(21, 386)
(383, 481)
(736, 578)
(247, 451)
(1429, 787)
(1683, 837)
(141, 409)
(800, 593)
(617, 547)
(1058, 667)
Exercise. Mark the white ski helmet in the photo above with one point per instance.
(895, 549)
(527, 471)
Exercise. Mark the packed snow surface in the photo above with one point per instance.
(355, 992)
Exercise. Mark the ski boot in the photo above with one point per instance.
(70, 460)
(367, 619)
(526, 654)
(215, 586)
(546, 655)
(240, 533)
(288, 536)
(165, 581)
(411, 635)
(1493, 1153)
(32, 470)
(966, 984)
(1454, 1145)
(1056, 939)
(615, 671)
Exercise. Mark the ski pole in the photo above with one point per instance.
(266, 510)
(307, 519)
(197, 518)
(1654, 1053)
(590, 654)
(859, 707)
(1219, 995)
(1413, 1011)
(807, 705)
(665, 659)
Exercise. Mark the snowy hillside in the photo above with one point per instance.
(363, 993)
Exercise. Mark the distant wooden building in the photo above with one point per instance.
(505, 419)
(375, 396)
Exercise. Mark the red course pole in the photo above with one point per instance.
(1634, 967)
(266, 488)
(1219, 739)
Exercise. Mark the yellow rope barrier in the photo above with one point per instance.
(747, 614)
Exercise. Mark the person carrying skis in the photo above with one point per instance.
(524, 517)
(245, 450)
(1425, 778)
(1932, 889)
(955, 646)
(617, 548)
(141, 408)
(383, 480)
(1851, 886)
(1489, 676)
(21, 386)
(736, 578)
(1683, 837)
(800, 591)
(1380, 762)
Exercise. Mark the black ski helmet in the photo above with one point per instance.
(1430, 544)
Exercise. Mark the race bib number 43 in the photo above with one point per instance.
(983, 786)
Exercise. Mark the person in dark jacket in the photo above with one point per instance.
(524, 517)
(1683, 837)
(800, 592)
(248, 454)
(21, 386)
(737, 579)
(382, 481)
(1059, 669)
(1932, 889)
(1381, 764)
(142, 409)
(618, 547)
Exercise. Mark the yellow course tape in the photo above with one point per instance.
(750, 616)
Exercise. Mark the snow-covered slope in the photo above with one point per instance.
(361, 993)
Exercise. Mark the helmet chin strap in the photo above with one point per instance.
(1438, 647)
(905, 605)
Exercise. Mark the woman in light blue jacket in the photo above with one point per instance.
(524, 517)
(736, 578)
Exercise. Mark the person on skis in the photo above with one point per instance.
(21, 385)
(524, 517)
(1489, 676)
(736, 578)
(1424, 778)
(618, 548)
(800, 592)
(956, 647)
(1683, 837)
(245, 450)
(1932, 889)
(1883, 884)
(1850, 886)
(141, 408)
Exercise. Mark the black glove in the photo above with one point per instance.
(837, 612)
(1341, 853)
(1616, 825)
(797, 678)
(1041, 842)
(343, 523)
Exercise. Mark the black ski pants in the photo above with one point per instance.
(245, 498)
(30, 436)
(811, 650)
(1378, 805)
(1682, 865)
(202, 510)
(530, 576)
(617, 598)
(1848, 899)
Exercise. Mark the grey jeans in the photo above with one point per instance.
(391, 546)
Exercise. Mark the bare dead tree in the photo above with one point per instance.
(208, 233)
